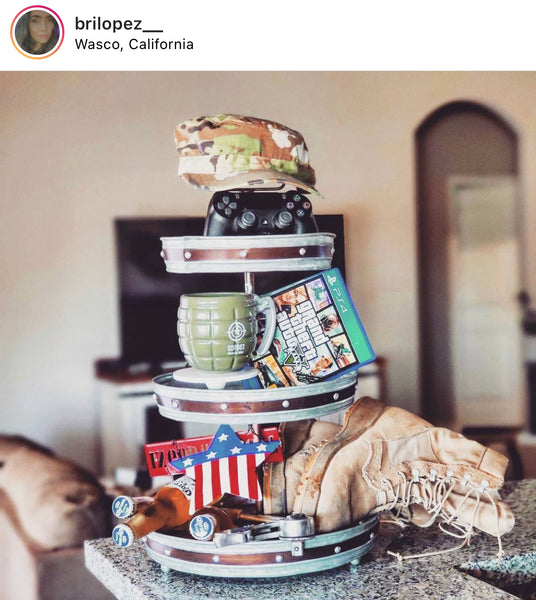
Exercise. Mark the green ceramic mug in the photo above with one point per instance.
(218, 331)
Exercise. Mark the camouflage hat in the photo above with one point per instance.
(230, 152)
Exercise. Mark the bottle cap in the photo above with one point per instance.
(202, 527)
(122, 535)
(123, 507)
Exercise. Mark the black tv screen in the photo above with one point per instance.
(149, 296)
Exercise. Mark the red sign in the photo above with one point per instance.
(159, 455)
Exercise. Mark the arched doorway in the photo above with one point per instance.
(467, 213)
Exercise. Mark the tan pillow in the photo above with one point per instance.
(53, 502)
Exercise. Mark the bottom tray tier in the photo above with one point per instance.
(267, 558)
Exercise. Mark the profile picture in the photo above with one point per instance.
(37, 32)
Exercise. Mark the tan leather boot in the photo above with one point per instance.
(385, 458)
(299, 440)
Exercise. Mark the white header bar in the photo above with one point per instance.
(282, 35)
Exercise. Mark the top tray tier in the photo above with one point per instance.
(252, 253)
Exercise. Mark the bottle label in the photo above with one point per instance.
(185, 484)
(202, 527)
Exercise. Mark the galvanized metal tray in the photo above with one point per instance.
(180, 403)
(266, 558)
(251, 253)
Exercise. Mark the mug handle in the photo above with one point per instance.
(266, 305)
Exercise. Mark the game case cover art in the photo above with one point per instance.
(318, 333)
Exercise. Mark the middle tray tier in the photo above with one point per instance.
(180, 403)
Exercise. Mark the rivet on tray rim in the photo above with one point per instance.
(216, 558)
(187, 254)
(336, 396)
(337, 549)
(243, 254)
(224, 406)
(279, 558)
(167, 552)
(285, 403)
(302, 251)
(175, 404)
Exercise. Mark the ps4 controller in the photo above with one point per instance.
(259, 213)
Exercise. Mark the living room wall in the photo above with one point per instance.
(82, 148)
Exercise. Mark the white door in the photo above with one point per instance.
(484, 281)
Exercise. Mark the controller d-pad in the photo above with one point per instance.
(226, 207)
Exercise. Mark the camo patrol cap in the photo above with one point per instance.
(230, 151)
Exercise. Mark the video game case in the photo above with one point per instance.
(318, 335)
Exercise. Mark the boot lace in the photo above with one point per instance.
(432, 493)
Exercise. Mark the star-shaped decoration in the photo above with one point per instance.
(228, 465)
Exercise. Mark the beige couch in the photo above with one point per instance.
(27, 574)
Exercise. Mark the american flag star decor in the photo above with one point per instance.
(228, 465)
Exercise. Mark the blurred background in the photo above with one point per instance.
(433, 172)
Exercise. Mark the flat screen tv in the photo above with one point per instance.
(149, 295)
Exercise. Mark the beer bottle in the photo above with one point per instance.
(208, 520)
(124, 507)
(211, 519)
(169, 509)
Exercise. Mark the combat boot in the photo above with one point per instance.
(385, 458)
(299, 440)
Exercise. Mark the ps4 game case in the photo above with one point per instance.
(318, 333)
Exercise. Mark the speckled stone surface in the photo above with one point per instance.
(131, 575)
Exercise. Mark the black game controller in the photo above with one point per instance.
(259, 213)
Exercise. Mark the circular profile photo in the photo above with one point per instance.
(37, 32)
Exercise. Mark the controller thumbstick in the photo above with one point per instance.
(283, 219)
(247, 220)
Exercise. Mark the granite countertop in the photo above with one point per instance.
(130, 574)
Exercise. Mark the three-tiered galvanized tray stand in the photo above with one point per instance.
(267, 557)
